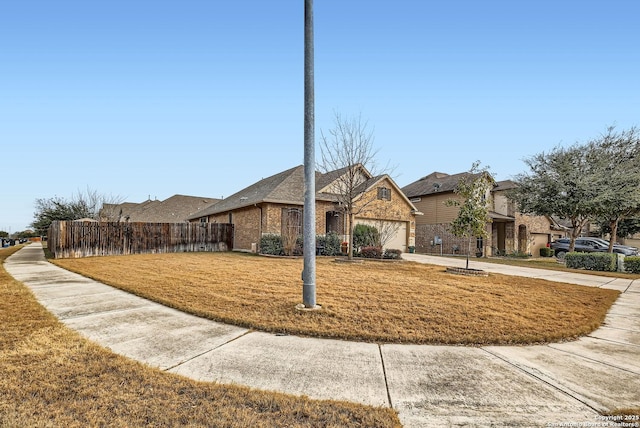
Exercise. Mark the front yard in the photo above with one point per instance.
(52, 377)
(372, 301)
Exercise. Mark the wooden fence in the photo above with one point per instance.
(72, 239)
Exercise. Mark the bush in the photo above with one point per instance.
(371, 252)
(271, 244)
(604, 262)
(365, 236)
(391, 253)
(331, 243)
(632, 264)
(546, 252)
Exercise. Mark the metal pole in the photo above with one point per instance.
(309, 224)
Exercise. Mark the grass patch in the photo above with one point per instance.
(51, 377)
(377, 302)
(552, 263)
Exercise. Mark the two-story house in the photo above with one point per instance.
(508, 232)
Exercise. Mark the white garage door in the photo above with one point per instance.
(396, 229)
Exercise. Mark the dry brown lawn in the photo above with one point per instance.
(51, 377)
(373, 301)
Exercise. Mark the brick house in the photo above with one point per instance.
(509, 230)
(272, 205)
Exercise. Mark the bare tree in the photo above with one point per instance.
(387, 230)
(347, 150)
(291, 230)
(88, 204)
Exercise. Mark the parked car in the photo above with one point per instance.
(590, 245)
(622, 249)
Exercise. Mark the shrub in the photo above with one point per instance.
(632, 264)
(391, 253)
(546, 252)
(604, 262)
(271, 244)
(331, 243)
(365, 236)
(371, 252)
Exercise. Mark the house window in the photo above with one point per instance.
(203, 220)
(291, 222)
(384, 193)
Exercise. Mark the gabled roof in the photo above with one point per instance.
(286, 187)
(504, 185)
(373, 181)
(323, 180)
(436, 182)
(175, 209)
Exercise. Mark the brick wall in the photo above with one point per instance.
(425, 240)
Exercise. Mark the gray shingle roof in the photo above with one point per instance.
(286, 187)
(436, 182)
(175, 209)
(439, 182)
(504, 185)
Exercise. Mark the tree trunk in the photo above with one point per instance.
(351, 227)
(613, 224)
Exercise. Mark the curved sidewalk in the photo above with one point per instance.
(429, 386)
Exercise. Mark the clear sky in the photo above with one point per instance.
(139, 99)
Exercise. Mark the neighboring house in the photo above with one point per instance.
(509, 230)
(175, 209)
(274, 205)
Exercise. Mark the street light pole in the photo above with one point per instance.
(309, 221)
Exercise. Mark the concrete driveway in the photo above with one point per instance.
(429, 386)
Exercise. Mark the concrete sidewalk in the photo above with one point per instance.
(429, 386)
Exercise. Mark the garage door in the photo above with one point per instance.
(397, 231)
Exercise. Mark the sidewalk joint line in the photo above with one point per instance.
(568, 393)
(207, 351)
(592, 359)
(384, 374)
(617, 342)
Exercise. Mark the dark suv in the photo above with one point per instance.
(590, 245)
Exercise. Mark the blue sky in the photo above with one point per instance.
(139, 99)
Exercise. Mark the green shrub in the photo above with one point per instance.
(546, 252)
(391, 253)
(271, 244)
(331, 244)
(604, 262)
(371, 252)
(632, 264)
(365, 236)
